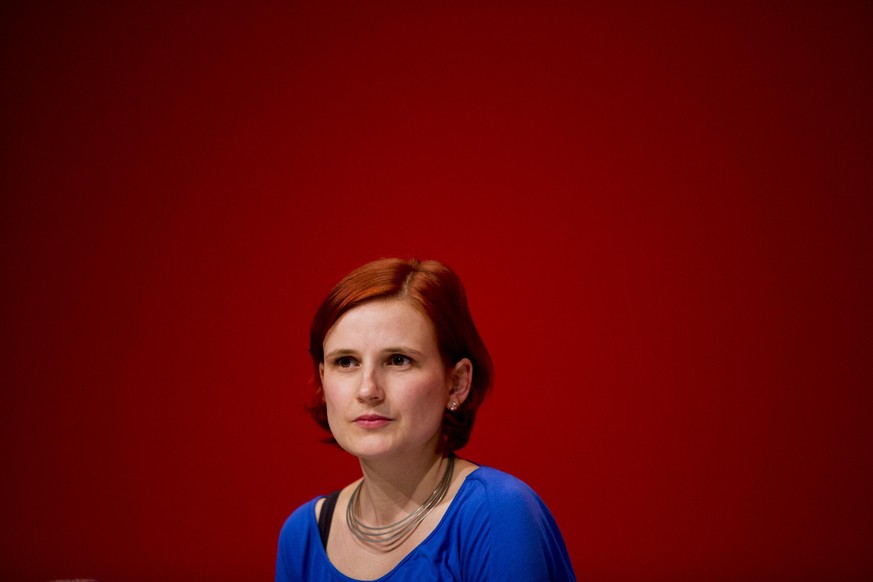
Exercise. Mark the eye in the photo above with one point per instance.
(344, 362)
(399, 360)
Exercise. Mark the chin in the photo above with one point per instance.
(366, 448)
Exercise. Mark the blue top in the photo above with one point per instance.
(496, 528)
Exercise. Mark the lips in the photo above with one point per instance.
(371, 421)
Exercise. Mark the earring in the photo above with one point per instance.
(453, 406)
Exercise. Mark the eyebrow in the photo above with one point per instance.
(402, 350)
(390, 350)
(337, 353)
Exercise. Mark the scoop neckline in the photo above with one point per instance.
(451, 509)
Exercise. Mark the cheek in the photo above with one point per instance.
(430, 399)
(334, 408)
(333, 396)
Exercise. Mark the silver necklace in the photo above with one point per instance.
(392, 535)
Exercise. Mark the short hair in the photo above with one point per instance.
(437, 291)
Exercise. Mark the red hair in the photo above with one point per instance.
(437, 291)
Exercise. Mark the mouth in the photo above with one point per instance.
(371, 421)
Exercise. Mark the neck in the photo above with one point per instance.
(394, 488)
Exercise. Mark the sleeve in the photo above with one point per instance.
(514, 537)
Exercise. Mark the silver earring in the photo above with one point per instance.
(453, 406)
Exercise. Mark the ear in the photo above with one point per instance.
(461, 376)
(321, 373)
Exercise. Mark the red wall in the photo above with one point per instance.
(662, 215)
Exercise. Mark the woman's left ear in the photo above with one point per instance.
(462, 379)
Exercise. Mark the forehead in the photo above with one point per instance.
(394, 321)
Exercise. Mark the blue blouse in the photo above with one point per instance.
(496, 528)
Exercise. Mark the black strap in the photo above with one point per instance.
(326, 516)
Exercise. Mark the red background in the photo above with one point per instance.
(661, 213)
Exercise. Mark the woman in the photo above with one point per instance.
(401, 371)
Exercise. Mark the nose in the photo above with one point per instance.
(370, 389)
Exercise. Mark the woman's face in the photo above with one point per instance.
(385, 383)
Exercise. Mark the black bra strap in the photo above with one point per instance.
(326, 516)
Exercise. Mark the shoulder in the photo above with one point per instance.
(301, 518)
(299, 544)
(516, 537)
(498, 481)
(501, 490)
(495, 504)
